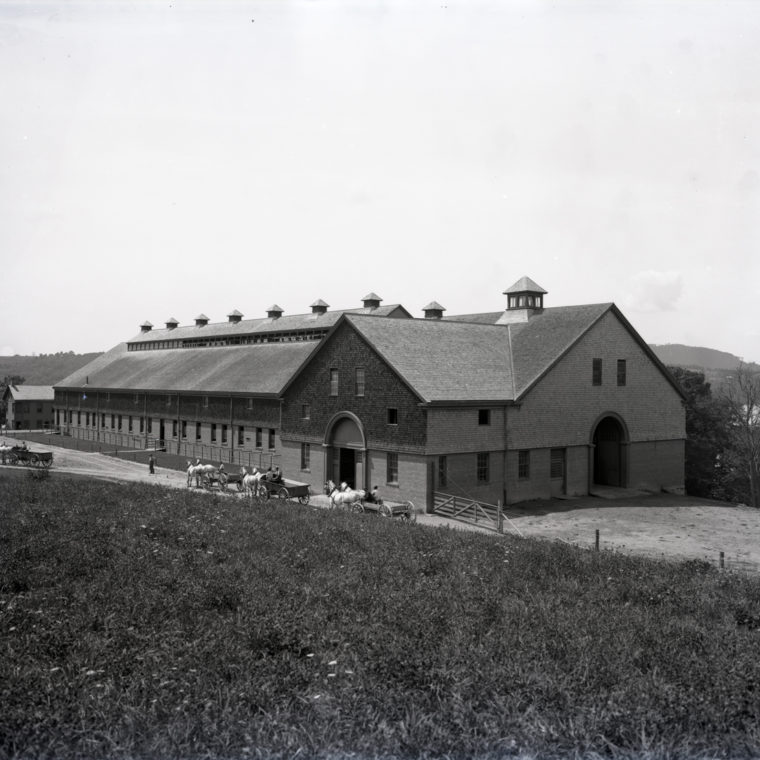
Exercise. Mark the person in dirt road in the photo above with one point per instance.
(152, 464)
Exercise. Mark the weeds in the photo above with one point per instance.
(138, 623)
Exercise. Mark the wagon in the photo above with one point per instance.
(286, 489)
(401, 509)
(211, 479)
(18, 455)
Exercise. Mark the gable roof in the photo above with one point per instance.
(261, 370)
(30, 392)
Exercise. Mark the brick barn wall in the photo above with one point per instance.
(654, 465)
(345, 351)
(462, 476)
(562, 409)
(456, 429)
(538, 485)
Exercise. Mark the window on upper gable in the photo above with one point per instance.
(360, 381)
(333, 382)
(596, 372)
(484, 416)
(523, 464)
(392, 416)
(621, 372)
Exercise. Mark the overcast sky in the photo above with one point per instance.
(163, 159)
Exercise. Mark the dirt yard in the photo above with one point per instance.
(658, 525)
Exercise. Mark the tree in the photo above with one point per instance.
(707, 435)
(741, 394)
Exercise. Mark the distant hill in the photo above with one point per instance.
(45, 369)
(716, 365)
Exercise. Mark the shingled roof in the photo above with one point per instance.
(31, 392)
(261, 369)
(444, 360)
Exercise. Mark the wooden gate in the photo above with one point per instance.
(473, 512)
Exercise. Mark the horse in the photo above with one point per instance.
(346, 497)
(193, 471)
(251, 482)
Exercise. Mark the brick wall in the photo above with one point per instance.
(456, 429)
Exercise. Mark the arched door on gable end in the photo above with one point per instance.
(609, 441)
(346, 448)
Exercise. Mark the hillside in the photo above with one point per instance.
(678, 355)
(45, 369)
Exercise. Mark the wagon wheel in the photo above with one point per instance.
(357, 507)
(385, 511)
(262, 492)
(11, 458)
(47, 462)
(283, 493)
(206, 482)
(35, 460)
(303, 499)
(240, 484)
(410, 515)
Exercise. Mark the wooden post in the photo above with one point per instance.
(499, 517)
(596, 540)
(721, 561)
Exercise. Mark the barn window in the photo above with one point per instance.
(174, 428)
(142, 424)
(305, 456)
(137, 397)
(258, 438)
(205, 402)
(249, 404)
(184, 428)
(213, 432)
(523, 464)
(79, 418)
(621, 372)
(305, 411)
(483, 467)
(484, 416)
(442, 472)
(119, 422)
(391, 469)
(557, 464)
(392, 416)
(270, 442)
(360, 381)
(224, 434)
(333, 382)
(241, 435)
(596, 372)
(129, 423)
(197, 431)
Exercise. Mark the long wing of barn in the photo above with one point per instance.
(526, 402)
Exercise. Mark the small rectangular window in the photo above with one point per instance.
(184, 428)
(137, 397)
(197, 431)
(87, 419)
(213, 432)
(305, 411)
(241, 435)
(119, 427)
(483, 474)
(270, 442)
(333, 382)
(258, 438)
(360, 381)
(392, 416)
(621, 378)
(305, 456)
(205, 402)
(596, 372)
(523, 465)
(168, 399)
(442, 472)
(142, 424)
(102, 420)
(224, 434)
(391, 473)
(129, 423)
(249, 404)
(79, 418)
(174, 428)
(484, 416)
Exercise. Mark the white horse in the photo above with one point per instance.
(252, 481)
(193, 471)
(346, 496)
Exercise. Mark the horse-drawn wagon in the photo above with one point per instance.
(284, 489)
(23, 456)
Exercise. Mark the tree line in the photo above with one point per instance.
(722, 435)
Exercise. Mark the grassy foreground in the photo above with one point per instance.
(138, 622)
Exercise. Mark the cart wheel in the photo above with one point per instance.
(283, 493)
(357, 507)
(206, 482)
(385, 511)
(47, 462)
(240, 485)
(263, 493)
(12, 458)
(303, 499)
(35, 460)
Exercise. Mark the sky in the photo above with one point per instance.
(167, 159)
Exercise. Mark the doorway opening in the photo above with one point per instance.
(609, 462)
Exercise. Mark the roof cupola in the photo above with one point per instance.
(201, 320)
(433, 310)
(524, 299)
(371, 301)
(274, 311)
(171, 323)
(234, 316)
(319, 307)
(146, 327)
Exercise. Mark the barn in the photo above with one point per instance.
(28, 407)
(525, 402)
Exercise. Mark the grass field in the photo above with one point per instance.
(139, 622)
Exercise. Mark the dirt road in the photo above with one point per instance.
(657, 525)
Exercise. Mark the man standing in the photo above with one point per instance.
(151, 464)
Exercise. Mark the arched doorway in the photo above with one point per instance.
(346, 445)
(609, 452)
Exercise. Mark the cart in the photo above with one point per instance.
(211, 479)
(285, 489)
(22, 456)
(404, 510)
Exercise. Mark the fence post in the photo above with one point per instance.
(721, 561)
(499, 517)
(596, 540)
